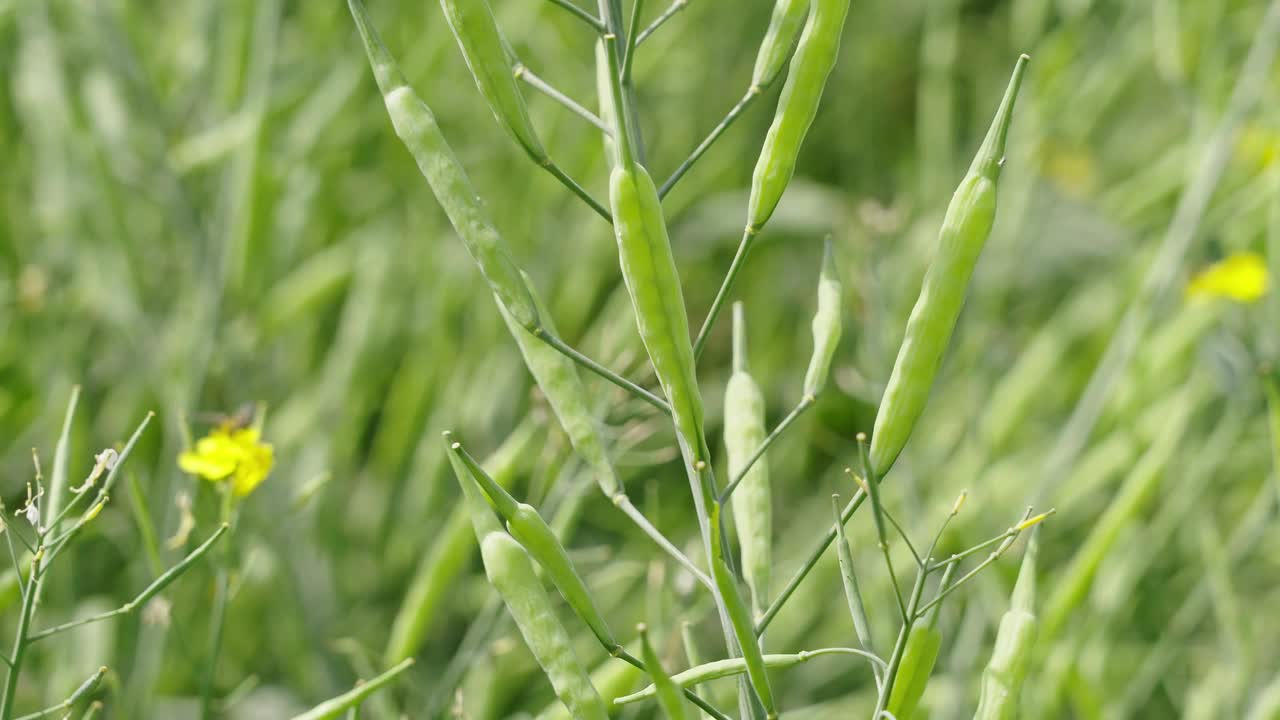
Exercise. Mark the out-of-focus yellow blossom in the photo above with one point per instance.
(1241, 277)
(227, 454)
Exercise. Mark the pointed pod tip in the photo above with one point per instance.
(990, 156)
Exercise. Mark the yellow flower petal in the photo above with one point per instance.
(207, 467)
(1241, 277)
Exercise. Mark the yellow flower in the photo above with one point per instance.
(226, 454)
(1241, 277)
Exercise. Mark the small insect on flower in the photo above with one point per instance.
(236, 455)
(1241, 277)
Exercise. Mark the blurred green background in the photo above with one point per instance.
(202, 205)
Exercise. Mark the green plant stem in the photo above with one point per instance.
(805, 404)
(547, 164)
(530, 78)
(351, 699)
(803, 571)
(712, 137)
(554, 341)
(995, 555)
(748, 237)
(672, 10)
(218, 623)
(20, 640)
(149, 592)
(629, 509)
(895, 660)
(637, 7)
(581, 14)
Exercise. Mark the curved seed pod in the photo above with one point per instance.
(784, 26)
(488, 57)
(826, 325)
(669, 695)
(744, 432)
(511, 572)
(740, 618)
(417, 129)
(558, 378)
(964, 231)
(527, 526)
(1003, 676)
(717, 669)
(810, 66)
(649, 270)
(453, 548)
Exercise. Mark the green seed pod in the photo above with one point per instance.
(814, 58)
(964, 231)
(417, 129)
(850, 580)
(527, 526)
(453, 547)
(649, 270)
(740, 618)
(779, 39)
(744, 432)
(1002, 679)
(826, 325)
(558, 377)
(511, 572)
(717, 669)
(918, 658)
(669, 695)
(488, 57)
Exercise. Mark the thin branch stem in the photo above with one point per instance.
(604, 372)
(805, 403)
(550, 166)
(581, 14)
(748, 237)
(637, 7)
(895, 660)
(803, 571)
(149, 592)
(675, 7)
(625, 505)
(530, 78)
(716, 132)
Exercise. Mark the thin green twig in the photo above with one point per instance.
(805, 404)
(581, 14)
(530, 78)
(675, 7)
(724, 124)
(554, 341)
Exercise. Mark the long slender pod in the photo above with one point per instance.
(451, 551)
(964, 231)
(511, 572)
(813, 61)
(814, 58)
(752, 503)
(492, 64)
(489, 58)
(416, 126)
(784, 26)
(1002, 678)
(826, 325)
(918, 658)
(527, 526)
(649, 272)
